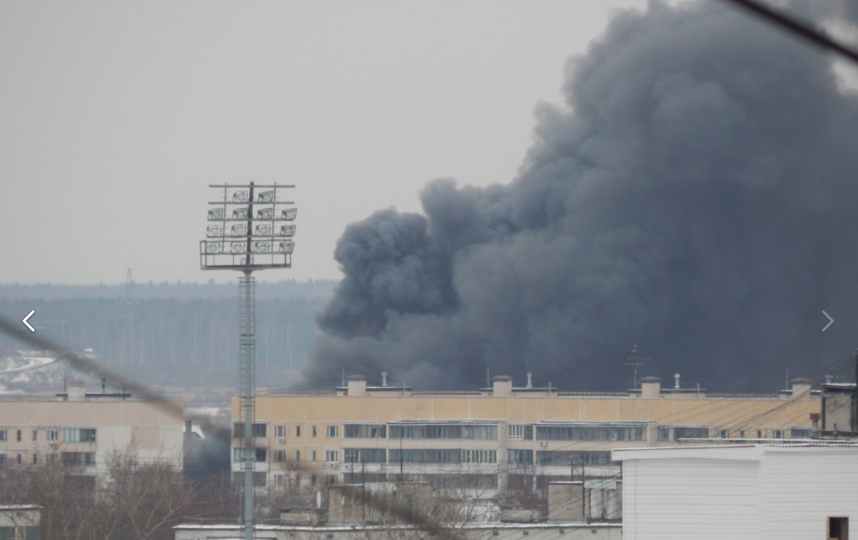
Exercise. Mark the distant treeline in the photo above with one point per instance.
(186, 340)
(321, 288)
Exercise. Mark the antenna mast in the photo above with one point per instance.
(636, 362)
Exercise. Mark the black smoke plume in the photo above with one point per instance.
(697, 195)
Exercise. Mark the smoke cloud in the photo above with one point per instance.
(696, 194)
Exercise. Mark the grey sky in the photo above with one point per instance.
(115, 117)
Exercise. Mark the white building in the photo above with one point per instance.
(774, 491)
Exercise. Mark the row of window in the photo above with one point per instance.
(260, 431)
(589, 433)
(516, 457)
(53, 435)
(70, 458)
(378, 455)
(456, 455)
(474, 432)
(441, 431)
(260, 455)
(673, 433)
(21, 532)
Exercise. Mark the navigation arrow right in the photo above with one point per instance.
(830, 321)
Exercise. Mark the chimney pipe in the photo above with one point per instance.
(383, 378)
(529, 379)
(676, 376)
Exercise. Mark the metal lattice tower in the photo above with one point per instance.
(247, 233)
(247, 379)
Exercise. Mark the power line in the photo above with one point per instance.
(796, 26)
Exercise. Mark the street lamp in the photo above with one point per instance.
(235, 240)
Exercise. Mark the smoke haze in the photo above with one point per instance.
(695, 195)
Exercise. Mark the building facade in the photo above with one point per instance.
(82, 429)
(498, 438)
(762, 491)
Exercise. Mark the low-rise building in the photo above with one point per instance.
(20, 521)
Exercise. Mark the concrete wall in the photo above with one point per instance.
(596, 531)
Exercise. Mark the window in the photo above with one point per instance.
(2, 435)
(331, 479)
(519, 432)
(759, 434)
(259, 479)
(574, 458)
(279, 479)
(479, 456)
(260, 455)
(838, 528)
(365, 455)
(520, 457)
(674, 433)
(86, 459)
(332, 456)
(297, 455)
(19, 459)
(426, 456)
(444, 431)
(314, 431)
(35, 459)
(800, 433)
(313, 479)
(280, 432)
(2, 460)
(18, 436)
(260, 431)
(297, 431)
(777, 434)
(313, 456)
(366, 431)
(332, 432)
(79, 435)
(53, 435)
(35, 435)
(280, 455)
(589, 433)
(741, 433)
(723, 433)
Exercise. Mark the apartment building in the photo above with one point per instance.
(83, 428)
(500, 437)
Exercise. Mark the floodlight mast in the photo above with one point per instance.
(257, 252)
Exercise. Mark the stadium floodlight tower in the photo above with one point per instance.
(250, 228)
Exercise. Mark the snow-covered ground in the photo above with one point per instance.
(31, 370)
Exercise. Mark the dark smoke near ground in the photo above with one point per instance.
(697, 195)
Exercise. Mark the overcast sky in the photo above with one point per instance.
(115, 116)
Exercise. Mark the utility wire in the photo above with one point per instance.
(796, 27)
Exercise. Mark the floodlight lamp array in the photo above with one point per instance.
(248, 229)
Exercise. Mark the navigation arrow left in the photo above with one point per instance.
(27, 318)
